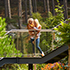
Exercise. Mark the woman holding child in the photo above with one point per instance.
(34, 25)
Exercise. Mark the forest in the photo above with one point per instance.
(50, 13)
(12, 9)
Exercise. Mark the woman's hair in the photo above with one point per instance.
(37, 22)
(30, 19)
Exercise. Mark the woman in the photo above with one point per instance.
(36, 26)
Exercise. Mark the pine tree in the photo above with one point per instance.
(44, 2)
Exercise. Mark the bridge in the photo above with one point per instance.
(51, 57)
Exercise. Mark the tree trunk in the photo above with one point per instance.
(20, 13)
(6, 11)
(44, 5)
(65, 9)
(6, 8)
(30, 7)
(69, 57)
(48, 9)
(35, 6)
(53, 8)
(9, 9)
(39, 0)
(26, 11)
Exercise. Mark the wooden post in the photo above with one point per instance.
(52, 40)
(30, 66)
(69, 57)
(17, 43)
(34, 66)
(21, 38)
(35, 43)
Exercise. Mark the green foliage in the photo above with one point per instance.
(29, 46)
(44, 41)
(22, 66)
(52, 21)
(15, 67)
(64, 30)
(37, 16)
(10, 20)
(7, 46)
(39, 66)
(59, 11)
(49, 23)
(14, 19)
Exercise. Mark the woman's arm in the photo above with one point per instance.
(39, 29)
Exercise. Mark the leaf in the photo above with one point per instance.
(56, 28)
(62, 23)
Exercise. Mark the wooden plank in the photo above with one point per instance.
(26, 30)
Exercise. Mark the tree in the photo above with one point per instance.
(64, 30)
(6, 8)
(20, 13)
(65, 9)
(37, 16)
(53, 8)
(48, 9)
(39, 0)
(7, 46)
(9, 9)
(50, 23)
(35, 6)
(44, 5)
(30, 7)
(25, 11)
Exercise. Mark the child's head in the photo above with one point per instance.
(36, 22)
(30, 21)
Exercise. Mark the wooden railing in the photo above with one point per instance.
(19, 36)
